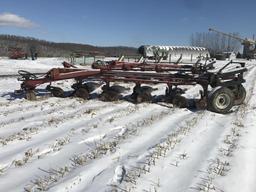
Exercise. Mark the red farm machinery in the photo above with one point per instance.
(221, 88)
(17, 53)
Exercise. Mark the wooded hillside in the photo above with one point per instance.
(52, 49)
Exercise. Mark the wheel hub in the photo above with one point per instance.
(222, 101)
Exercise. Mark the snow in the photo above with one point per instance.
(119, 174)
(41, 65)
(68, 144)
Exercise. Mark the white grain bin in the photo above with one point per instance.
(173, 53)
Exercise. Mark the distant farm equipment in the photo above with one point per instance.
(81, 57)
(19, 53)
(249, 50)
(221, 89)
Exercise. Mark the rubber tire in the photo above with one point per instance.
(213, 96)
(82, 93)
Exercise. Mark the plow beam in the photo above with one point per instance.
(57, 74)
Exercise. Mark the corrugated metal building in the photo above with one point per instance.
(173, 53)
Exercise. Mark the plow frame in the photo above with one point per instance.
(143, 73)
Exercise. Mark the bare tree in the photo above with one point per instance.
(215, 43)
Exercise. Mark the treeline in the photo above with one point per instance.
(215, 43)
(52, 49)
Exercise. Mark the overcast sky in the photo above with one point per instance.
(125, 22)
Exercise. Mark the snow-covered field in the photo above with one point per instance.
(68, 144)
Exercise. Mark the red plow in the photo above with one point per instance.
(220, 90)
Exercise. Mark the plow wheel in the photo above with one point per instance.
(144, 97)
(221, 100)
(179, 101)
(116, 88)
(173, 94)
(240, 97)
(30, 95)
(110, 95)
(82, 93)
(201, 104)
(142, 94)
(89, 86)
(56, 91)
(239, 93)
